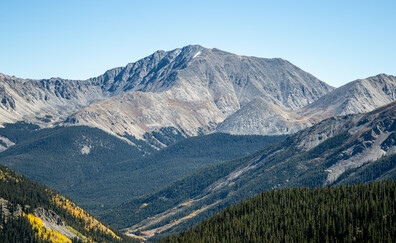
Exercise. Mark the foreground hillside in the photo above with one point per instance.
(31, 212)
(357, 213)
(337, 150)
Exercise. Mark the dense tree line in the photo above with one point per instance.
(355, 213)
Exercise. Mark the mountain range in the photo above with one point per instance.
(157, 145)
(190, 91)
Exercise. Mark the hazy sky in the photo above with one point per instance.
(336, 41)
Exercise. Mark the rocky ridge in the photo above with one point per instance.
(195, 88)
(191, 89)
(359, 96)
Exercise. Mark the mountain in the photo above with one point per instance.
(329, 214)
(330, 152)
(45, 102)
(31, 212)
(183, 92)
(99, 171)
(261, 117)
(193, 89)
(189, 91)
(359, 96)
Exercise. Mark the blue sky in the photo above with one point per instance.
(336, 41)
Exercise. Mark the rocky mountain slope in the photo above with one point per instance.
(31, 212)
(188, 90)
(320, 155)
(262, 117)
(359, 96)
(45, 102)
(194, 88)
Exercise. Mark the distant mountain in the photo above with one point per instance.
(45, 102)
(332, 151)
(187, 91)
(362, 95)
(31, 212)
(359, 96)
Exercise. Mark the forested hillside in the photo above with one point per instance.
(356, 213)
(99, 171)
(354, 148)
(31, 212)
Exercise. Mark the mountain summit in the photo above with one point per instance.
(193, 89)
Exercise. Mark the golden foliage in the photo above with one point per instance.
(8, 175)
(144, 205)
(90, 222)
(44, 233)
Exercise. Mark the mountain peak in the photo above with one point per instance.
(191, 89)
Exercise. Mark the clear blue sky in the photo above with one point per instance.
(336, 41)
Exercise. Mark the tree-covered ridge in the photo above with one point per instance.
(21, 196)
(100, 171)
(355, 213)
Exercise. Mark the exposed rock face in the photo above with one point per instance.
(359, 96)
(53, 222)
(45, 102)
(372, 136)
(362, 95)
(263, 117)
(139, 113)
(193, 89)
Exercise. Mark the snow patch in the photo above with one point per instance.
(196, 54)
